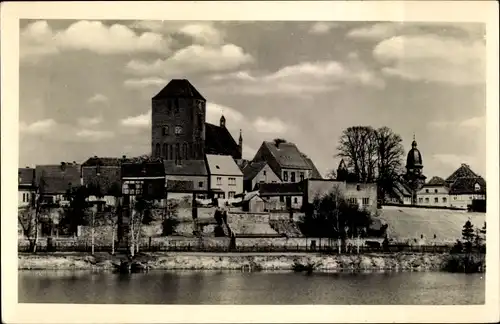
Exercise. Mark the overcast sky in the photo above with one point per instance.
(86, 86)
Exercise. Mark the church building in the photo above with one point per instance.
(179, 131)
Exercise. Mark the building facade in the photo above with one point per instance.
(256, 173)
(26, 187)
(102, 175)
(54, 181)
(226, 178)
(186, 177)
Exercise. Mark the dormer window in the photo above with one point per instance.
(165, 130)
(477, 187)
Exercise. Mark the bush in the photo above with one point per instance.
(465, 264)
(457, 248)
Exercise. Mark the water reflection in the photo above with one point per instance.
(235, 287)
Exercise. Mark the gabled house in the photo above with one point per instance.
(464, 191)
(102, 175)
(434, 193)
(186, 177)
(255, 173)
(225, 177)
(286, 160)
(26, 186)
(54, 181)
(143, 179)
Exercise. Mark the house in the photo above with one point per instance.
(252, 202)
(179, 129)
(286, 161)
(434, 193)
(225, 178)
(282, 196)
(143, 179)
(54, 181)
(362, 194)
(26, 186)
(103, 174)
(189, 176)
(255, 173)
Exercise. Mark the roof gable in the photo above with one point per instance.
(57, 178)
(26, 176)
(315, 172)
(436, 181)
(222, 165)
(252, 169)
(287, 155)
(186, 167)
(179, 88)
(464, 186)
(464, 171)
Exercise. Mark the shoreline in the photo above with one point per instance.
(239, 261)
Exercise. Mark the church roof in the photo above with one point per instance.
(466, 185)
(219, 141)
(179, 88)
(464, 171)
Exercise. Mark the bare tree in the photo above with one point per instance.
(30, 218)
(390, 153)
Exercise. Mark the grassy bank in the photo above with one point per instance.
(250, 261)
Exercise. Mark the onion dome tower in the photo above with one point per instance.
(414, 166)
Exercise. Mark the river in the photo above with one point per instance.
(251, 288)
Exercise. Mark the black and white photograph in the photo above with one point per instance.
(252, 162)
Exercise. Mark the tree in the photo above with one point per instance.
(331, 174)
(141, 206)
(77, 212)
(358, 146)
(115, 216)
(390, 153)
(170, 220)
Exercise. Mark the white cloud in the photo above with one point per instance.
(93, 135)
(98, 98)
(140, 121)
(203, 33)
(479, 122)
(194, 58)
(322, 27)
(270, 125)
(87, 122)
(300, 79)
(473, 122)
(39, 39)
(144, 82)
(433, 58)
(234, 118)
(378, 31)
(38, 127)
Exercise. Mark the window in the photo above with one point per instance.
(165, 130)
(295, 200)
(366, 201)
(231, 194)
(420, 200)
(264, 172)
(477, 187)
(454, 197)
(219, 181)
(436, 200)
(164, 151)
(157, 149)
(178, 130)
(133, 188)
(282, 199)
(435, 191)
(444, 199)
(200, 184)
(292, 176)
(232, 181)
(353, 201)
(426, 190)
(426, 200)
(285, 176)
(301, 176)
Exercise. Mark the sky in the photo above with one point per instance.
(86, 86)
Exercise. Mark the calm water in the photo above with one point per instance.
(207, 287)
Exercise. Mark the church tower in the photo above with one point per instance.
(240, 144)
(178, 122)
(414, 166)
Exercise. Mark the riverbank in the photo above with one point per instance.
(238, 261)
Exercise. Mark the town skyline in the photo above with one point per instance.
(80, 98)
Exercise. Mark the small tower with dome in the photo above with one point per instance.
(414, 165)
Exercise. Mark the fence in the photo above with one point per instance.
(200, 247)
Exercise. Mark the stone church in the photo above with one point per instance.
(179, 130)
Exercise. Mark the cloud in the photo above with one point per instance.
(144, 82)
(38, 127)
(98, 98)
(433, 58)
(194, 58)
(39, 39)
(234, 118)
(203, 33)
(454, 160)
(322, 27)
(87, 122)
(270, 125)
(473, 122)
(140, 121)
(300, 79)
(94, 135)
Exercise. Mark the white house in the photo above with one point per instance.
(225, 177)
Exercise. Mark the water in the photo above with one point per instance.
(216, 287)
